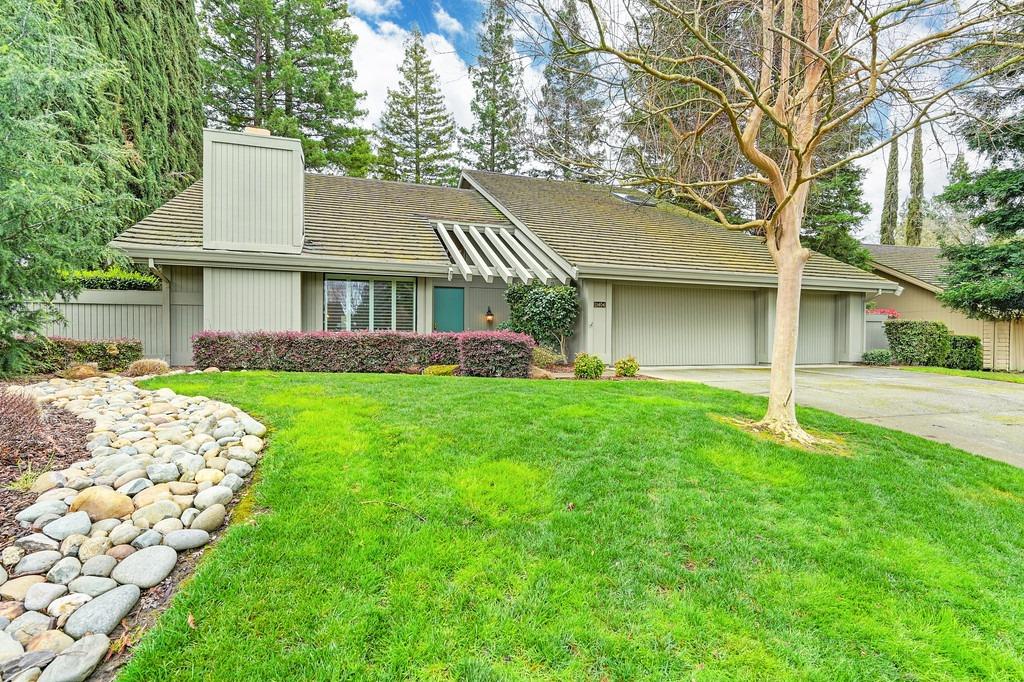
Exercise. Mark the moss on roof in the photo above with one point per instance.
(919, 262)
(589, 225)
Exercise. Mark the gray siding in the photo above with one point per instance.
(252, 193)
(112, 314)
(817, 344)
(186, 310)
(665, 325)
(251, 300)
(478, 296)
(312, 301)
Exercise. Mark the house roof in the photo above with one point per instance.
(924, 264)
(599, 228)
(349, 218)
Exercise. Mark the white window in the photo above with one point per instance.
(368, 303)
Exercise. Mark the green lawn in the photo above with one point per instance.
(1012, 377)
(442, 528)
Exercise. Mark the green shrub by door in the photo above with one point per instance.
(918, 342)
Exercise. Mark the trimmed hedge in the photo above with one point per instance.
(55, 353)
(114, 278)
(918, 342)
(965, 352)
(477, 353)
(880, 357)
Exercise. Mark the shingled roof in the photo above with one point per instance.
(918, 262)
(344, 217)
(596, 226)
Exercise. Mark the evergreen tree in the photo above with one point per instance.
(496, 140)
(62, 170)
(569, 112)
(915, 204)
(835, 211)
(417, 132)
(891, 201)
(160, 101)
(286, 65)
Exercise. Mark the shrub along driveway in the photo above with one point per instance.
(453, 528)
(983, 417)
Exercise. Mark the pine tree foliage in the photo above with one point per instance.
(891, 200)
(286, 65)
(569, 115)
(835, 211)
(915, 204)
(417, 134)
(62, 171)
(496, 142)
(160, 112)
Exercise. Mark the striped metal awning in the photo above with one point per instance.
(491, 251)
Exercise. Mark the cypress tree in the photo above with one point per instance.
(417, 132)
(286, 65)
(890, 204)
(915, 204)
(496, 140)
(569, 112)
(160, 113)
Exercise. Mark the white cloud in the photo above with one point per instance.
(378, 54)
(373, 8)
(446, 23)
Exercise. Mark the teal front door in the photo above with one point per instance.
(449, 309)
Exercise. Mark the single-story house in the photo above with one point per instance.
(919, 271)
(261, 244)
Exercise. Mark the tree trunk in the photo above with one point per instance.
(790, 258)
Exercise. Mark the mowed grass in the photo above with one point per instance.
(447, 528)
(1012, 377)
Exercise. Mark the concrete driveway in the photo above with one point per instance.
(983, 417)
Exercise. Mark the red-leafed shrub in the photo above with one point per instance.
(495, 354)
(891, 313)
(387, 352)
(56, 353)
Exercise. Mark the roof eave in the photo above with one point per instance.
(167, 255)
(893, 272)
(736, 279)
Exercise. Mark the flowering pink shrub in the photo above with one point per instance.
(891, 313)
(386, 352)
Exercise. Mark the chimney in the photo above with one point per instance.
(252, 192)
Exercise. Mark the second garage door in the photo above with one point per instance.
(667, 326)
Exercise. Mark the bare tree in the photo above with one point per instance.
(780, 77)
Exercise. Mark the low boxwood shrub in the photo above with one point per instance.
(918, 342)
(56, 354)
(114, 278)
(627, 367)
(384, 352)
(587, 366)
(440, 370)
(965, 352)
(880, 357)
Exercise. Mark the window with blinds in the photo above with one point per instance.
(355, 304)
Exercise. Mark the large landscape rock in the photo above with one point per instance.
(147, 567)
(102, 614)
(103, 503)
(78, 661)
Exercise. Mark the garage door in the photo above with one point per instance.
(817, 330)
(683, 325)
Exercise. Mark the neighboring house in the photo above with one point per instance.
(259, 244)
(919, 271)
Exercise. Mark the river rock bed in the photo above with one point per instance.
(162, 470)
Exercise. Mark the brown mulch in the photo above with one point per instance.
(67, 434)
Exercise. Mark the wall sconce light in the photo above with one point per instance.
(489, 316)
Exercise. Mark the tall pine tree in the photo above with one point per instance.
(160, 100)
(891, 200)
(417, 138)
(569, 113)
(915, 204)
(496, 142)
(286, 65)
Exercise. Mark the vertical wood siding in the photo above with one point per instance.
(251, 300)
(662, 325)
(817, 343)
(186, 310)
(252, 193)
(312, 301)
(133, 320)
(478, 296)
